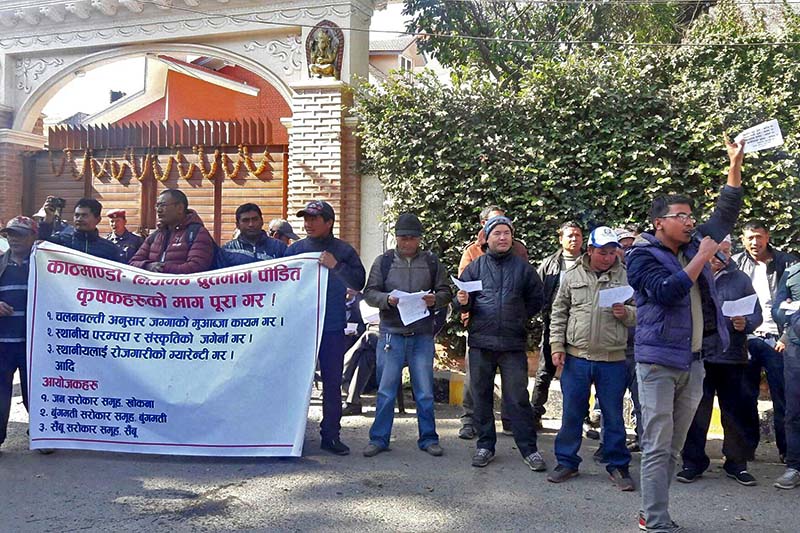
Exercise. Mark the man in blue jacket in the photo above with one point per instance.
(85, 238)
(345, 270)
(253, 244)
(724, 375)
(677, 306)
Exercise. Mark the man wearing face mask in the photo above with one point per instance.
(589, 343)
(724, 371)
(511, 295)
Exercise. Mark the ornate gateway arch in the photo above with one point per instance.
(307, 50)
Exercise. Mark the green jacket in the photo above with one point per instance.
(578, 326)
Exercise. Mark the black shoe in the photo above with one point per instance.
(633, 446)
(622, 479)
(467, 432)
(482, 457)
(537, 423)
(507, 429)
(742, 476)
(561, 474)
(351, 409)
(688, 475)
(335, 446)
(592, 434)
(598, 455)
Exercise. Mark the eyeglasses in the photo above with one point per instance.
(682, 217)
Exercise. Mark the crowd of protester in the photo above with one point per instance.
(667, 342)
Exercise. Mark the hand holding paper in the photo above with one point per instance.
(765, 135)
(412, 306)
(467, 286)
(615, 295)
(741, 307)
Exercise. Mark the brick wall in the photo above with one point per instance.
(319, 167)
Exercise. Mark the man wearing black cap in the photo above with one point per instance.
(510, 296)
(411, 270)
(281, 229)
(345, 270)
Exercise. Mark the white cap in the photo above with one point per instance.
(602, 236)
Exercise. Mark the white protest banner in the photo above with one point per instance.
(215, 363)
(760, 137)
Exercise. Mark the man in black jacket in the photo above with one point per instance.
(765, 266)
(510, 296)
(724, 377)
(550, 272)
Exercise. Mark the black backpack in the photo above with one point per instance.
(440, 315)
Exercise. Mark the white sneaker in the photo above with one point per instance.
(789, 480)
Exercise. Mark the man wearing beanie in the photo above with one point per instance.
(589, 342)
(409, 269)
(510, 296)
(345, 270)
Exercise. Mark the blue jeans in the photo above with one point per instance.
(610, 380)
(394, 351)
(762, 355)
(791, 369)
(12, 358)
(331, 363)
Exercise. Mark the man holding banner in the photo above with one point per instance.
(346, 270)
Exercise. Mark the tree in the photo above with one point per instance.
(504, 39)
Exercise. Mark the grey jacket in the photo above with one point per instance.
(408, 275)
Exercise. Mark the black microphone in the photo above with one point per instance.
(697, 237)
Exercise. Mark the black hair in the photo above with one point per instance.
(753, 225)
(567, 225)
(178, 196)
(245, 208)
(93, 205)
(660, 205)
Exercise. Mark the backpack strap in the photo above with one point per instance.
(386, 265)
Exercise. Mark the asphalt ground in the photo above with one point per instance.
(404, 489)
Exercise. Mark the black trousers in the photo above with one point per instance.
(726, 381)
(544, 375)
(514, 386)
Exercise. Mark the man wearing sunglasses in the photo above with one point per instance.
(677, 306)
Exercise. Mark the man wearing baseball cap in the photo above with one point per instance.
(588, 343)
(281, 229)
(21, 233)
(345, 270)
(127, 243)
(500, 312)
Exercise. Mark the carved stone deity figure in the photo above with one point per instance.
(324, 51)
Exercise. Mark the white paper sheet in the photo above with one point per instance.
(369, 314)
(741, 307)
(469, 286)
(616, 295)
(411, 306)
(765, 135)
(790, 307)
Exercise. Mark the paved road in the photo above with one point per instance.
(401, 490)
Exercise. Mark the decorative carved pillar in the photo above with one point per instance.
(13, 144)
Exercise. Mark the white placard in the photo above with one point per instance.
(411, 306)
(765, 135)
(216, 363)
(468, 286)
(615, 295)
(741, 307)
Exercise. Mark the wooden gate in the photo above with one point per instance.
(218, 165)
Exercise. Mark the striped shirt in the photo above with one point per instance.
(14, 292)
